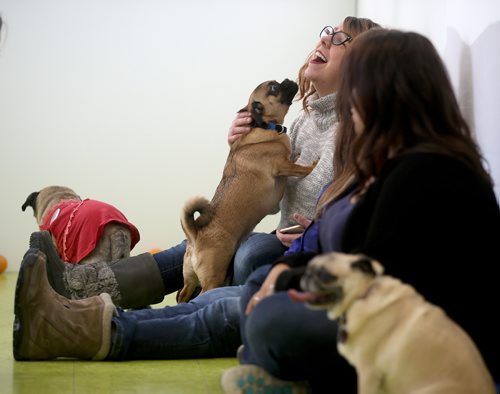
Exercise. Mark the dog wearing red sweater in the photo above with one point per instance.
(84, 231)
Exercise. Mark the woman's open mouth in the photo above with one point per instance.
(318, 58)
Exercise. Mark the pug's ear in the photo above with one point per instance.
(379, 268)
(30, 201)
(368, 266)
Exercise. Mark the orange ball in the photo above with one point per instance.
(3, 264)
(155, 250)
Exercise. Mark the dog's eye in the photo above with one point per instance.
(257, 108)
(274, 89)
(325, 276)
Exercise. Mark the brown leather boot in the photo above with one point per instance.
(48, 325)
(132, 282)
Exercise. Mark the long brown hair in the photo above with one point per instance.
(352, 26)
(400, 87)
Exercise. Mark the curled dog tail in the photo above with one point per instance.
(189, 224)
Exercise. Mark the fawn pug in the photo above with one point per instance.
(252, 185)
(397, 341)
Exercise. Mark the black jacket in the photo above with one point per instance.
(435, 224)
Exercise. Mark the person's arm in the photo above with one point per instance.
(285, 274)
(267, 287)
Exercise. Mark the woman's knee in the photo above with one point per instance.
(253, 284)
(271, 319)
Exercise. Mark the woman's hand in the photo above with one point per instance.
(287, 239)
(267, 287)
(240, 126)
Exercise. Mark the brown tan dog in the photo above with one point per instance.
(253, 183)
(84, 231)
(398, 342)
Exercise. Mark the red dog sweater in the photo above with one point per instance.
(77, 226)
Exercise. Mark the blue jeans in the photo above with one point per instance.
(170, 264)
(207, 326)
(258, 249)
(291, 341)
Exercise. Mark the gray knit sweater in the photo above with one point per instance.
(312, 138)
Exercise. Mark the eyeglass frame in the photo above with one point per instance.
(348, 39)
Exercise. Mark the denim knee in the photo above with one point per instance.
(257, 250)
(170, 264)
(253, 284)
(293, 342)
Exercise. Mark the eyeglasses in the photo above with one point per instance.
(338, 37)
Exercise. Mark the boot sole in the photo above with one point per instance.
(42, 241)
(30, 259)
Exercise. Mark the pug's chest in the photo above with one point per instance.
(257, 159)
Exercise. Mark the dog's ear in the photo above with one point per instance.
(30, 201)
(367, 266)
(379, 268)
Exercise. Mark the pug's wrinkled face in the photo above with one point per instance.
(334, 280)
(270, 101)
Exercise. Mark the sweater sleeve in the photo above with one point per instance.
(312, 139)
(291, 278)
(417, 207)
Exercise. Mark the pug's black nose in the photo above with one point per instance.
(289, 89)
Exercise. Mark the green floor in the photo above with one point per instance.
(179, 376)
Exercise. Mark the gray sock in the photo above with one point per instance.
(87, 280)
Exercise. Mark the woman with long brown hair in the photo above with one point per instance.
(411, 191)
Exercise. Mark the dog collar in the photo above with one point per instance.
(276, 127)
(269, 126)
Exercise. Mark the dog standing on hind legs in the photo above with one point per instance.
(252, 185)
(398, 342)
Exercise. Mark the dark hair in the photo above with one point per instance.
(353, 26)
(400, 87)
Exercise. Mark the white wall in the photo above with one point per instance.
(129, 101)
(467, 35)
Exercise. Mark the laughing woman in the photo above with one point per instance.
(421, 203)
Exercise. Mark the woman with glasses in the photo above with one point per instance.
(312, 136)
(49, 325)
(411, 191)
(145, 279)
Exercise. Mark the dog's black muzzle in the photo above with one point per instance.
(288, 91)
